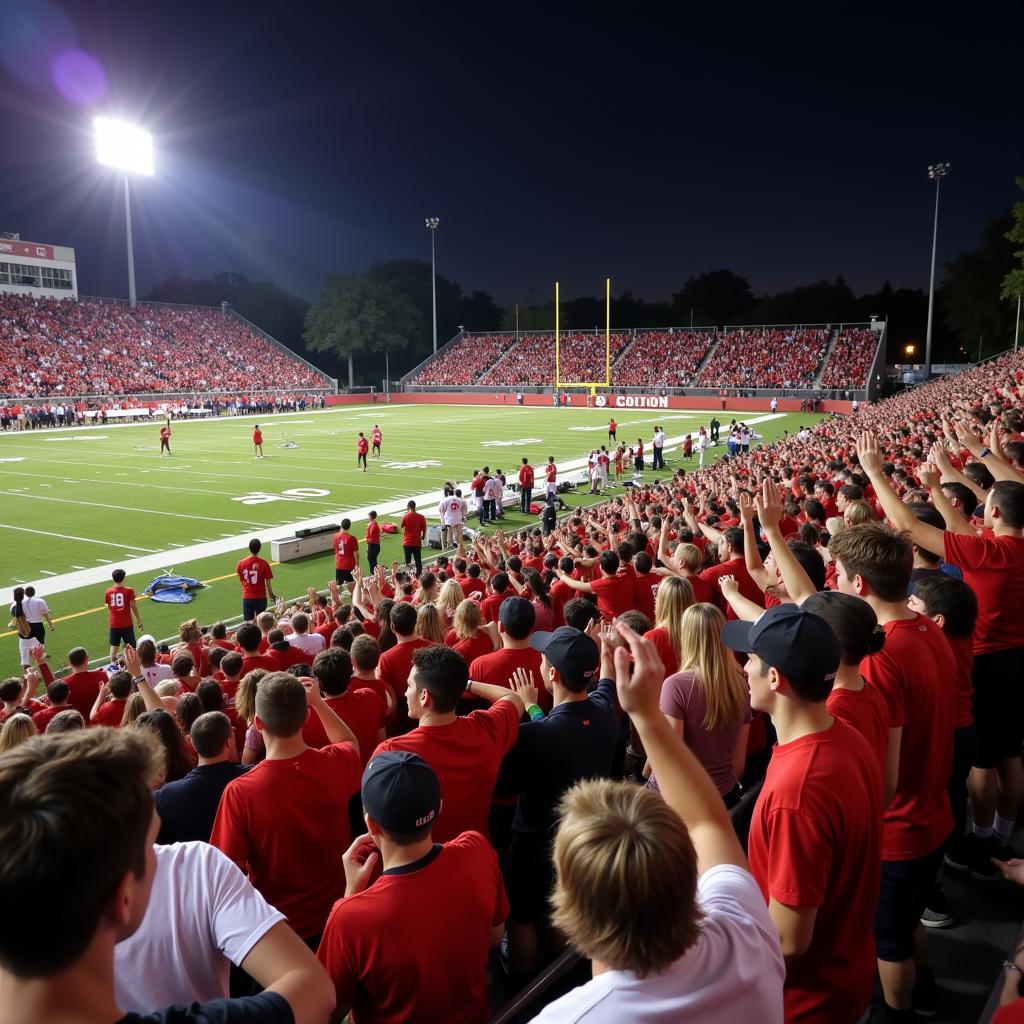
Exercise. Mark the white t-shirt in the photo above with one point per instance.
(34, 608)
(452, 511)
(734, 973)
(309, 643)
(203, 915)
(493, 489)
(156, 674)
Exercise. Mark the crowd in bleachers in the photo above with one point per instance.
(56, 347)
(662, 359)
(532, 361)
(545, 730)
(464, 361)
(750, 358)
(850, 360)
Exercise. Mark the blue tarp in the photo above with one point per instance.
(168, 588)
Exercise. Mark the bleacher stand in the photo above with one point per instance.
(850, 362)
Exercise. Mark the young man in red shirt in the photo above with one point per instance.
(346, 554)
(165, 439)
(526, 476)
(120, 600)
(362, 447)
(613, 589)
(257, 441)
(376, 437)
(815, 838)
(255, 575)
(414, 529)
(285, 823)
(913, 673)
(396, 663)
(83, 683)
(413, 946)
(551, 479)
(466, 752)
(372, 541)
(110, 712)
(250, 637)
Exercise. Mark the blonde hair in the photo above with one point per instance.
(450, 598)
(626, 890)
(468, 618)
(245, 695)
(133, 707)
(189, 632)
(675, 595)
(16, 730)
(718, 674)
(859, 512)
(429, 624)
(688, 556)
(835, 525)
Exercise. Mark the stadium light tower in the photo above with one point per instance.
(936, 172)
(432, 223)
(129, 149)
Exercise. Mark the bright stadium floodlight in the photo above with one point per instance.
(124, 146)
(129, 149)
(432, 223)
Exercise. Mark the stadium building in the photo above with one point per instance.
(34, 268)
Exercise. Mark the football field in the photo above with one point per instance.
(76, 503)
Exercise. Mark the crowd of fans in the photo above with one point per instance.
(850, 361)
(465, 361)
(532, 360)
(536, 739)
(751, 358)
(57, 347)
(662, 359)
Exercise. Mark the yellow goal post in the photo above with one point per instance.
(593, 385)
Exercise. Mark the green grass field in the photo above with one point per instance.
(77, 503)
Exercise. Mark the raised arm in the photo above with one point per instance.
(581, 585)
(929, 477)
(751, 556)
(684, 784)
(744, 608)
(994, 462)
(336, 729)
(769, 511)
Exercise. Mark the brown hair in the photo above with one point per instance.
(626, 893)
(189, 632)
(281, 704)
(245, 695)
(879, 555)
(80, 802)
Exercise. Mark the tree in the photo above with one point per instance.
(480, 312)
(715, 297)
(356, 314)
(972, 298)
(1013, 283)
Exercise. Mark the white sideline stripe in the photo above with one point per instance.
(71, 536)
(195, 552)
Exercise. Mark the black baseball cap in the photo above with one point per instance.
(572, 652)
(801, 645)
(401, 792)
(518, 616)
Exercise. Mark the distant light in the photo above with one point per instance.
(432, 222)
(123, 145)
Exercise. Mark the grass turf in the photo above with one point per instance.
(97, 496)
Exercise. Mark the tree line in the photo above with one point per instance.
(362, 322)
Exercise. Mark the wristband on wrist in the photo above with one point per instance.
(534, 712)
(984, 453)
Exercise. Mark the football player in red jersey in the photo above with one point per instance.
(255, 574)
(257, 441)
(121, 602)
(376, 437)
(165, 439)
(362, 447)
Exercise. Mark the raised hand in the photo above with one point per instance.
(132, 661)
(639, 674)
(746, 506)
(359, 861)
(928, 475)
(868, 453)
(769, 506)
(728, 585)
(523, 683)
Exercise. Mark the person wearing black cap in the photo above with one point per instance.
(516, 620)
(414, 944)
(816, 836)
(577, 740)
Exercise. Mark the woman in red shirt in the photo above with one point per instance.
(675, 595)
(469, 636)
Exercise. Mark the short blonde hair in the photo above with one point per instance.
(688, 556)
(859, 512)
(15, 731)
(626, 890)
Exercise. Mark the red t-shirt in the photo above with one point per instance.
(264, 661)
(963, 653)
(165, 433)
(815, 841)
(83, 688)
(497, 668)
(466, 755)
(550, 472)
(346, 551)
(254, 573)
(363, 446)
(864, 710)
(41, 718)
(614, 594)
(257, 437)
(414, 526)
(285, 823)
(703, 592)
(668, 654)
(490, 605)
(471, 649)
(993, 568)
(748, 588)
(393, 669)
(362, 710)
(526, 476)
(413, 947)
(645, 590)
(110, 713)
(119, 601)
(914, 672)
(377, 437)
(373, 532)
(282, 660)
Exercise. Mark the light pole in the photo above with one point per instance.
(432, 223)
(936, 172)
(129, 149)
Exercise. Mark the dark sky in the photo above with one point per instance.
(646, 142)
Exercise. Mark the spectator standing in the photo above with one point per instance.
(36, 609)
(414, 530)
(255, 575)
(346, 554)
(526, 476)
(120, 601)
(372, 541)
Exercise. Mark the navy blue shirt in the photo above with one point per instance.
(266, 1008)
(577, 740)
(187, 807)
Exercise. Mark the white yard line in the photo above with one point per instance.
(179, 556)
(71, 536)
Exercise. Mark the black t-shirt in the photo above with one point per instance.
(266, 1008)
(188, 806)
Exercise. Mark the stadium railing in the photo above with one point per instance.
(528, 1002)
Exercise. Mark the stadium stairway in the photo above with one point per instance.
(625, 352)
(712, 348)
(829, 349)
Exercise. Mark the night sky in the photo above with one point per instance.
(565, 141)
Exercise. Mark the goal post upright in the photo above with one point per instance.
(608, 331)
(591, 385)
